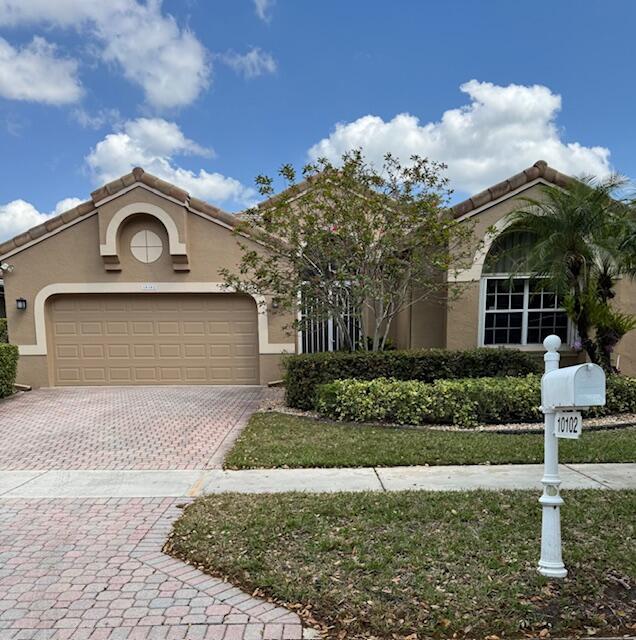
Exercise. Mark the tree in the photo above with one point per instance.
(582, 239)
(352, 240)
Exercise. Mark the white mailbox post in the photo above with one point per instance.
(564, 392)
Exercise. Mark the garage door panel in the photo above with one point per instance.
(65, 374)
(117, 328)
(65, 328)
(121, 375)
(142, 351)
(70, 351)
(169, 350)
(118, 351)
(90, 351)
(142, 328)
(170, 374)
(153, 339)
(95, 374)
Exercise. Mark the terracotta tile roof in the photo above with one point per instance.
(137, 175)
(539, 169)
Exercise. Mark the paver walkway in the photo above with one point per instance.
(94, 569)
(166, 427)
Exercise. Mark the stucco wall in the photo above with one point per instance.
(626, 351)
(72, 256)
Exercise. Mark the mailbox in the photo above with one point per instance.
(582, 385)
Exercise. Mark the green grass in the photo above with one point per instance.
(388, 565)
(280, 440)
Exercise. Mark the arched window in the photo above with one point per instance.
(517, 310)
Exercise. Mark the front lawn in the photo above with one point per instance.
(281, 440)
(417, 565)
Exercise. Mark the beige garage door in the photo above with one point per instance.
(113, 339)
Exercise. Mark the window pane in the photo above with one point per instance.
(490, 301)
(503, 301)
(503, 328)
(543, 323)
(549, 300)
(502, 320)
(516, 301)
(534, 300)
(501, 336)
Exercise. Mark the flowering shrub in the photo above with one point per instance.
(466, 402)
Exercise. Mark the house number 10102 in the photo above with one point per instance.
(567, 424)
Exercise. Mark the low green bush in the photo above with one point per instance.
(8, 368)
(4, 333)
(304, 373)
(466, 402)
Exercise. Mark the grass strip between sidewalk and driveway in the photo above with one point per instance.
(273, 440)
(419, 564)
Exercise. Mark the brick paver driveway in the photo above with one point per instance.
(122, 427)
(93, 568)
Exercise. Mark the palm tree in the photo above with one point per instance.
(582, 239)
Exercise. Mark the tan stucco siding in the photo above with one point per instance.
(463, 318)
(626, 351)
(428, 324)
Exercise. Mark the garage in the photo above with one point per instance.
(152, 338)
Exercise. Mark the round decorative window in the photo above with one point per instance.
(146, 246)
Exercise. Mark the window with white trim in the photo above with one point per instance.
(516, 309)
(521, 311)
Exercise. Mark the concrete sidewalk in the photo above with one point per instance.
(189, 483)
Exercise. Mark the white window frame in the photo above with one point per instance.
(524, 345)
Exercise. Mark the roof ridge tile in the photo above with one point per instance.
(540, 169)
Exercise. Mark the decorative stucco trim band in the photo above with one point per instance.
(40, 346)
(109, 248)
(473, 274)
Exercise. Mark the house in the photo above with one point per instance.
(125, 289)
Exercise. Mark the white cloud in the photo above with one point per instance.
(19, 215)
(36, 73)
(152, 143)
(501, 131)
(262, 8)
(98, 119)
(255, 62)
(168, 62)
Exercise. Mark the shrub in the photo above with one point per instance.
(304, 373)
(8, 368)
(466, 402)
(4, 333)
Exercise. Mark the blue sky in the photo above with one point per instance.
(210, 93)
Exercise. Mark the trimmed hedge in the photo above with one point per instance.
(466, 403)
(8, 368)
(4, 333)
(304, 373)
